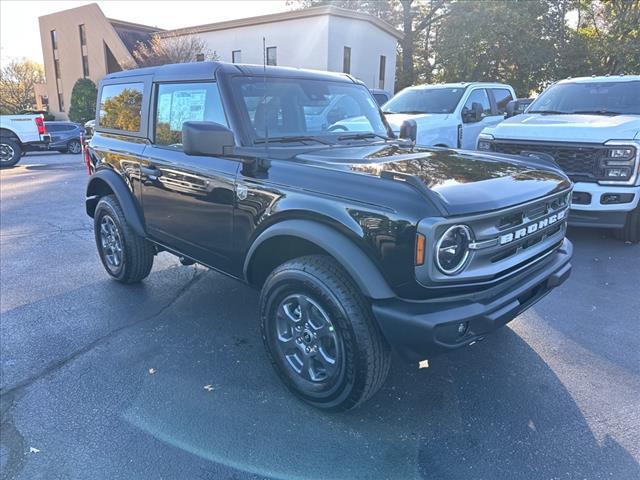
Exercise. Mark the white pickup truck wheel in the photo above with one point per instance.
(631, 230)
(10, 152)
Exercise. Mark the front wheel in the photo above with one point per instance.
(631, 230)
(10, 152)
(126, 256)
(320, 334)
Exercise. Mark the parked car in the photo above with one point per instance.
(358, 242)
(65, 136)
(20, 134)
(451, 114)
(381, 96)
(591, 128)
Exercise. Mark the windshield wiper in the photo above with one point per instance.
(597, 112)
(551, 112)
(362, 136)
(412, 112)
(293, 139)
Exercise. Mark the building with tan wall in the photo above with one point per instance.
(83, 43)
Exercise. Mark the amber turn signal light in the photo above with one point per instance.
(420, 242)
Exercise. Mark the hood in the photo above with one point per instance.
(568, 128)
(459, 182)
(395, 120)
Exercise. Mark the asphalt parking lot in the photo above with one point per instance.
(101, 380)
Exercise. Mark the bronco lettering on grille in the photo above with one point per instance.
(532, 228)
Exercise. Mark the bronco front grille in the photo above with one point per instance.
(504, 242)
(581, 162)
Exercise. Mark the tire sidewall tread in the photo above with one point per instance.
(17, 152)
(138, 253)
(366, 352)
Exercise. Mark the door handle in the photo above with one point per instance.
(151, 172)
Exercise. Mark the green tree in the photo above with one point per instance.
(83, 101)
(17, 79)
(609, 33)
(513, 42)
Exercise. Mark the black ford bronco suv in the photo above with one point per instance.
(292, 182)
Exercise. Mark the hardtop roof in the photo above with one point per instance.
(208, 71)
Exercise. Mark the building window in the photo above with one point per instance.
(236, 56)
(54, 39)
(56, 67)
(121, 106)
(85, 66)
(383, 66)
(83, 35)
(200, 57)
(272, 56)
(61, 102)
(346, 60)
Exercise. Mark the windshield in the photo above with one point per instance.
(605, 98)
(424, 100)
(286, 108)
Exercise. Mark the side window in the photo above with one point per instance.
(182, 102)
(479, 96)
(121, 106)
(502, 96)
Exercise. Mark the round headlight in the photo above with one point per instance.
(452, 250)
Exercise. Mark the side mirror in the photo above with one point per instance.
(512, 109)
(473, 115)
(517, 106)
(208, 139)
(409, 130)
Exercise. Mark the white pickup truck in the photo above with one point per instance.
(590, 127)
(451, 114)
(20, 134)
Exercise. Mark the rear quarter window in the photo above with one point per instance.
(121, 106)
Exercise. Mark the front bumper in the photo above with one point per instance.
(588, 209)
(423, 329)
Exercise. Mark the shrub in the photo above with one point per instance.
(83, 101)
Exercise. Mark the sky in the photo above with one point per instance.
(20, 36)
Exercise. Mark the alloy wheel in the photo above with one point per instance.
(6, 152)
(74, 147)
(111, 242)
(306, 339)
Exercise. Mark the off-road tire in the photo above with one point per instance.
(366, 355)
(137, 253)
(631, 230)
(11, 145)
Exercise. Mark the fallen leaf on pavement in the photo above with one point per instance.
(208, 388)
(152, 371)
(33, 450)
(423, 364)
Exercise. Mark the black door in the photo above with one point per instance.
(188, 201)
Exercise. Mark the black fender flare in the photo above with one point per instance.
(95, 189)
(359, 266)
